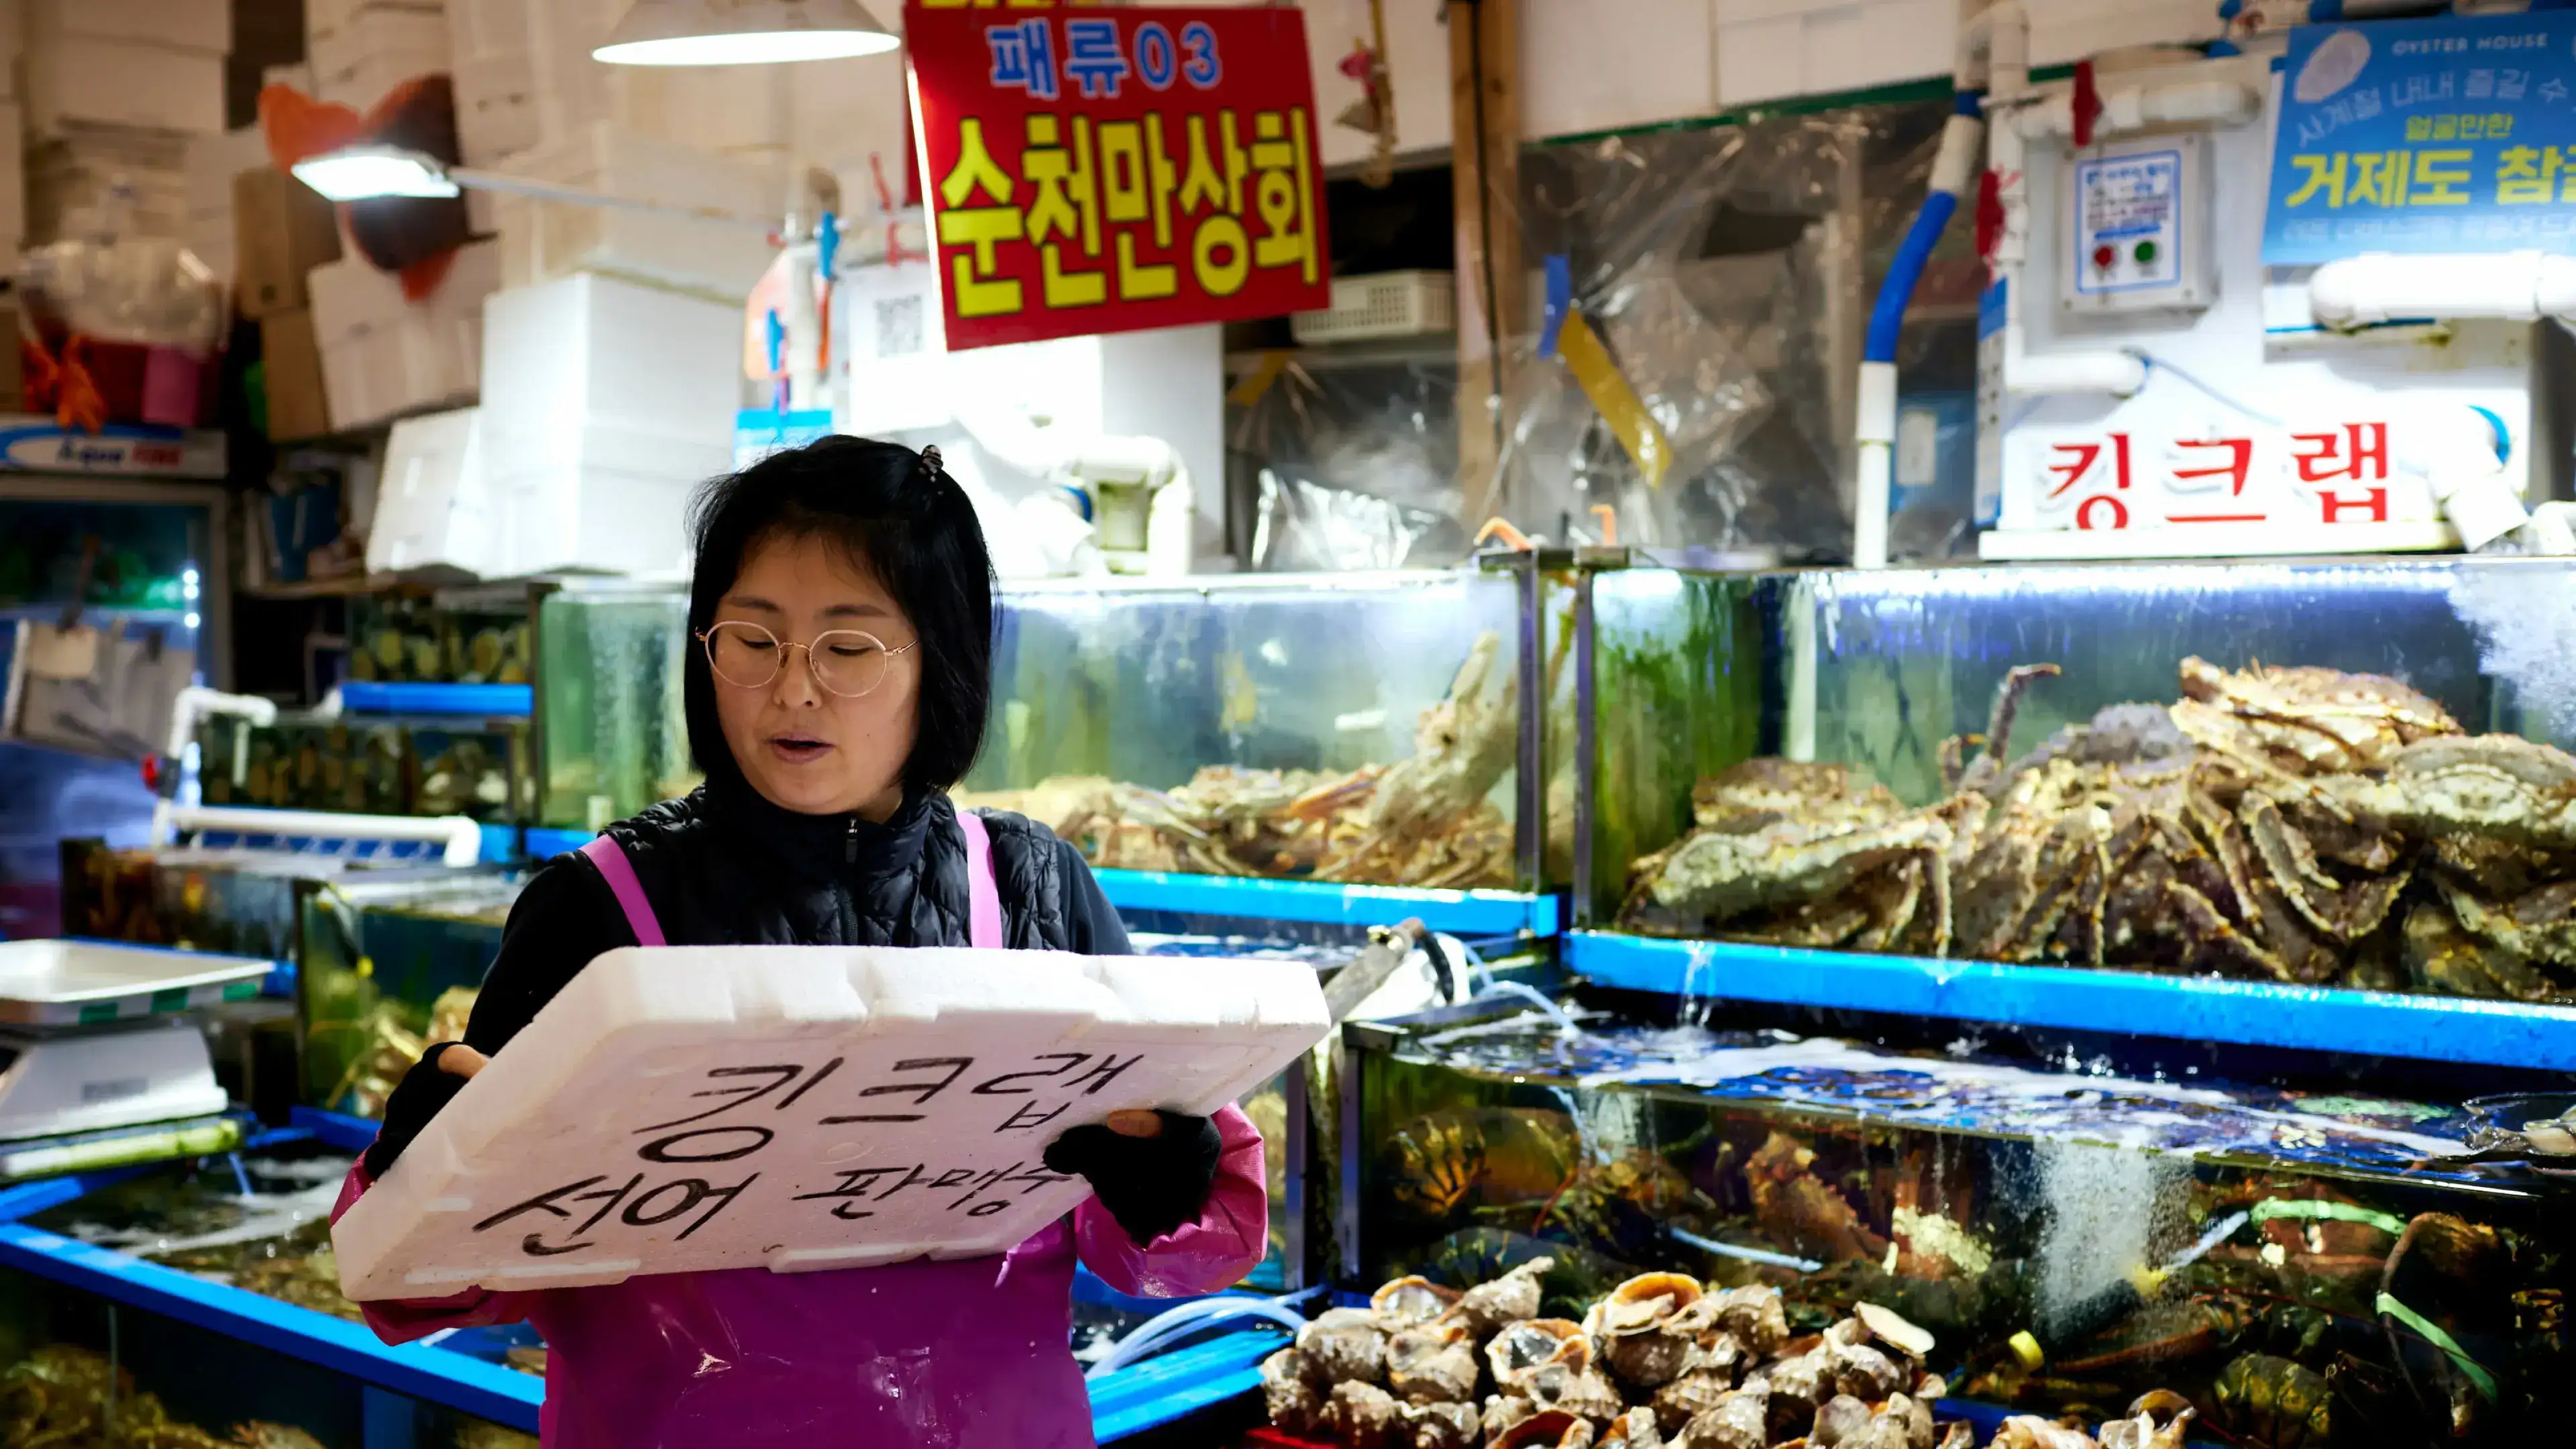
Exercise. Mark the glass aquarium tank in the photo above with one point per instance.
(470, 637)
(1355, 728)
(387, 968)
(231, 902)
(81, 1369)
(610, 726)
(371, 766)
(2330, 773)
(2305, 1268)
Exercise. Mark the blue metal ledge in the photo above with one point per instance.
(1459, 913)
(486, 1390)
(483, 701)
(1175, 1385)
(2244, 1013)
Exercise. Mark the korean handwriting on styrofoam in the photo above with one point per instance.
(1037, 1090)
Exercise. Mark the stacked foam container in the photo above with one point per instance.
(610, 364)
(114, 88)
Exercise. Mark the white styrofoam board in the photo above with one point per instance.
(691, 1109)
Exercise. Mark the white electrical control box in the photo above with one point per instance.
(2137, 228)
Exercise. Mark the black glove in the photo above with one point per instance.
(1151, 1185)
(416, 1098)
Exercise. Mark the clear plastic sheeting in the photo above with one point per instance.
(1346, 459)
(111, 285)
(1725, 272)
(1305, 527)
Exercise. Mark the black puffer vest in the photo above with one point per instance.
(724, 866)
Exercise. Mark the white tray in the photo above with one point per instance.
(684, 1109)
(88, 983)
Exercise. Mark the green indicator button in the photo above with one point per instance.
(96, 1012)
(2145, 253)
(172, 999)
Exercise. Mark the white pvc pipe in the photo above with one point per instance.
(2381, 287)
(2211, 101)
(196, 702)
(1876, 463)
(2026, 374)
(462, 837)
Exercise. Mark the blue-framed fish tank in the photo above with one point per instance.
(1344, 748)
(2296, 799)
(1331, 750)
(197, 1303)
(2303, 1262)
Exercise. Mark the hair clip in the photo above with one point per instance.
(930, 459)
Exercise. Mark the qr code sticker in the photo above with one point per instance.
(898, 326)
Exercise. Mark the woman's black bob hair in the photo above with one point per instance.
(903, 520)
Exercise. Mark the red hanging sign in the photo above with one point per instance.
(1105, 170)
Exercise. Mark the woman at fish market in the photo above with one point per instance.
(843, 611)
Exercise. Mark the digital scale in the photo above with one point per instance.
(91, 1036)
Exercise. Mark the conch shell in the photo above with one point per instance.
(1647, 1327)
(1756, 1316)
(1362, 1416)
(2029, 1431)
(1635, 1429)
(1343, 1345)
(1547, 1429)
(1293, 1403)
(1737, 1421)
(1406, 1302)
(1432, 1363)
(1523, 1348)
(1508, 1299)
(1438, 1426)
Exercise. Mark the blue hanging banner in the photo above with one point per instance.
(2449, 134)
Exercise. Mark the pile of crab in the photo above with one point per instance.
(1659, 1360)
(2298, 825)
(66, 1397)
(1423, 821)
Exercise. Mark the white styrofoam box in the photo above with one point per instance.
(297, 77)
(1769, 49)
(374, 50)
(496, 105)
(212, 163)
(382, 355)
(72, 171)
(329, 20)
(802, 1108)
(544, 240)
(80, 80)
(433, 504)
(604, 403)
(727, 109)
(199, 25)
(2339, 435)
(214, 160)
(1650, 61)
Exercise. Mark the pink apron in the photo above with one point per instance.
(964, 1353)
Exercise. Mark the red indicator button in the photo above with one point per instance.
(2103, 256)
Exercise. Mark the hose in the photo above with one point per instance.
(1157, 1332)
